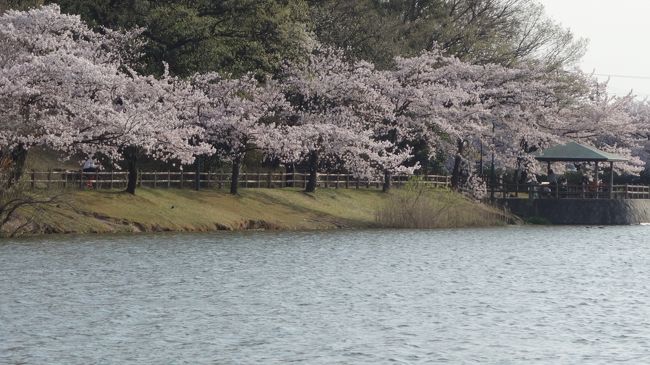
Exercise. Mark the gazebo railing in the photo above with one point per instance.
(547, 191)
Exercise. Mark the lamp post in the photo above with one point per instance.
(480, 165)
(492, 172)
(611, 179)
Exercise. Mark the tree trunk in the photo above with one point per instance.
(412, 12)
(387, 178)
(455, 175)
(131, 157)
(18, 157)
(289, 170)
(198, 163)
(312, 180)
(234, 176)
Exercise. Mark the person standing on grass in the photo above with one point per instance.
(89, 166)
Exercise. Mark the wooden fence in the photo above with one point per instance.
(211, 180)
(221, 180)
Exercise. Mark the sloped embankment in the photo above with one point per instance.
(186, 210)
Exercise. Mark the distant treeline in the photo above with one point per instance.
(239, 36)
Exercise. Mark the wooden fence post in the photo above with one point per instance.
(112, 178)
(181, 180)
(81, 179)
(65, 179)
(33, 184)
(155, 180)
(197, 174)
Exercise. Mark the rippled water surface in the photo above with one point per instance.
(507, 295)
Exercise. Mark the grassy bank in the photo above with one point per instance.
(186, 210)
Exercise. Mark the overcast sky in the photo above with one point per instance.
(619, 39)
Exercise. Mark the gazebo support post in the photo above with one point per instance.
(548, 173)
(596, 179)
(611, 180)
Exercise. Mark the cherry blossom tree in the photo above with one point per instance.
(382, 114)
(438, 103)
(603, 121)
(237, 113)
(44, 57)
(64, 86)
(572, 105)
(331, 121)
(152, 117)
(516, 100)
(639, 112)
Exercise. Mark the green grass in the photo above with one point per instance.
(188, 210)
(209, 210)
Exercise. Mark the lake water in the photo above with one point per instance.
(505, 295)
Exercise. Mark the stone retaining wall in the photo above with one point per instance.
(582, 211)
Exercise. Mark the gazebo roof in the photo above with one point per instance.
(572, 151)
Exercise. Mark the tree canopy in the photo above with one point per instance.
(240, 36)
(233, 36)
(505, 32)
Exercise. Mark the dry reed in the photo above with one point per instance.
(420, 206)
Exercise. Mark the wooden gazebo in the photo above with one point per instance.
(576, 152)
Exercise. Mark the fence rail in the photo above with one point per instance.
(272, 180)
(539, 191)
(212, 180)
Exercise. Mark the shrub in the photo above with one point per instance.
(418, 205)
(15, 200)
